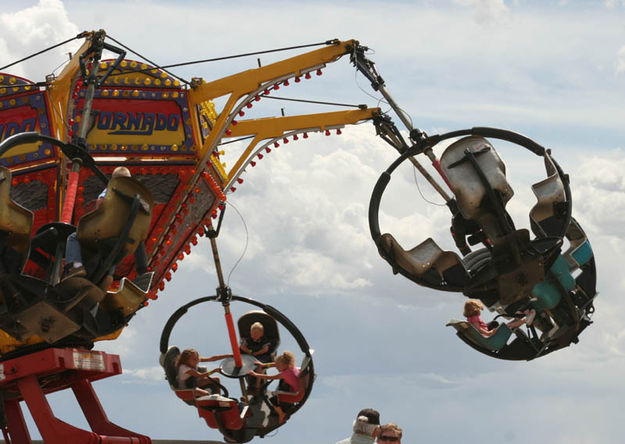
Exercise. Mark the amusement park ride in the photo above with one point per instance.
(63, 137)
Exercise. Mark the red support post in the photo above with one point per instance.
(95, 414)
(52, 429)
(16, 425)
(60, 368)
(238, 362)
(70, 197)
(437, 166)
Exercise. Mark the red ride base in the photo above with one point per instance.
(30, 378)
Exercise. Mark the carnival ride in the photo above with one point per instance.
(510, 272)
(63, 137)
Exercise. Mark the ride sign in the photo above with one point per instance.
(136, 123)
(87, 360)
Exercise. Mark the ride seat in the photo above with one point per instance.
(579, 251)
(550, 193)
(270, 326)
(493, 343)
(476, 260)
(293, 397)
(220, 412)
(168, 362)
(303, 382)
(16, 223)
(425, 257)
(119, 224)
(465, 181)
(127, 300)
(548, 293)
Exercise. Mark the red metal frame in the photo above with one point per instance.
(30, 378)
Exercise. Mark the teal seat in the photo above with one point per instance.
(582, 254)
(547, 292)
(493, 343)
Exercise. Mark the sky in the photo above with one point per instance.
(299, 241)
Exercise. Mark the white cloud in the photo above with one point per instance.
(380, 339)
(487, 11)
(620, 61)
(614, 3)
(123, 345)
(312, 199)
(306, 269)
(30, 30)
(149, 374)
(600, 193)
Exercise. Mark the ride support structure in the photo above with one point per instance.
(30, 378)
(60, 142)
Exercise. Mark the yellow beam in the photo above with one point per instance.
(272, 127)
(246, 82)
(276, 126)
(245, 86)
(58, 92)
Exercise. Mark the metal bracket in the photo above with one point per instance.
(224, 294)
(386, 129)
(366, 66)
(212, 233)
(368, 69)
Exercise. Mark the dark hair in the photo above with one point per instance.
(372, 415)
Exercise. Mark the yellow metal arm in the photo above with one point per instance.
(244, 82)
(273, 128)
(239, 91)
(60, 90)
(247, 84)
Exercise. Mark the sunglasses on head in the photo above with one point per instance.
(388, 438)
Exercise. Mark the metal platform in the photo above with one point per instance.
(30, 378)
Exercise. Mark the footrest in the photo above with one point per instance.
(128, 299)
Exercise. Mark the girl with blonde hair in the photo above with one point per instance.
(288, 376)
(472, 310)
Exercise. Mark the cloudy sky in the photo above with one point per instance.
(553, 70)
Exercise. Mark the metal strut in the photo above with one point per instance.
(80, 140)
(223, 292)
(224, 295)
(387, 129)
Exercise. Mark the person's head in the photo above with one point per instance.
(189, 357)
(257, 331)
(367, 422)
(121, 172)
(285, 360)
(472, 307)
(389, 434)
